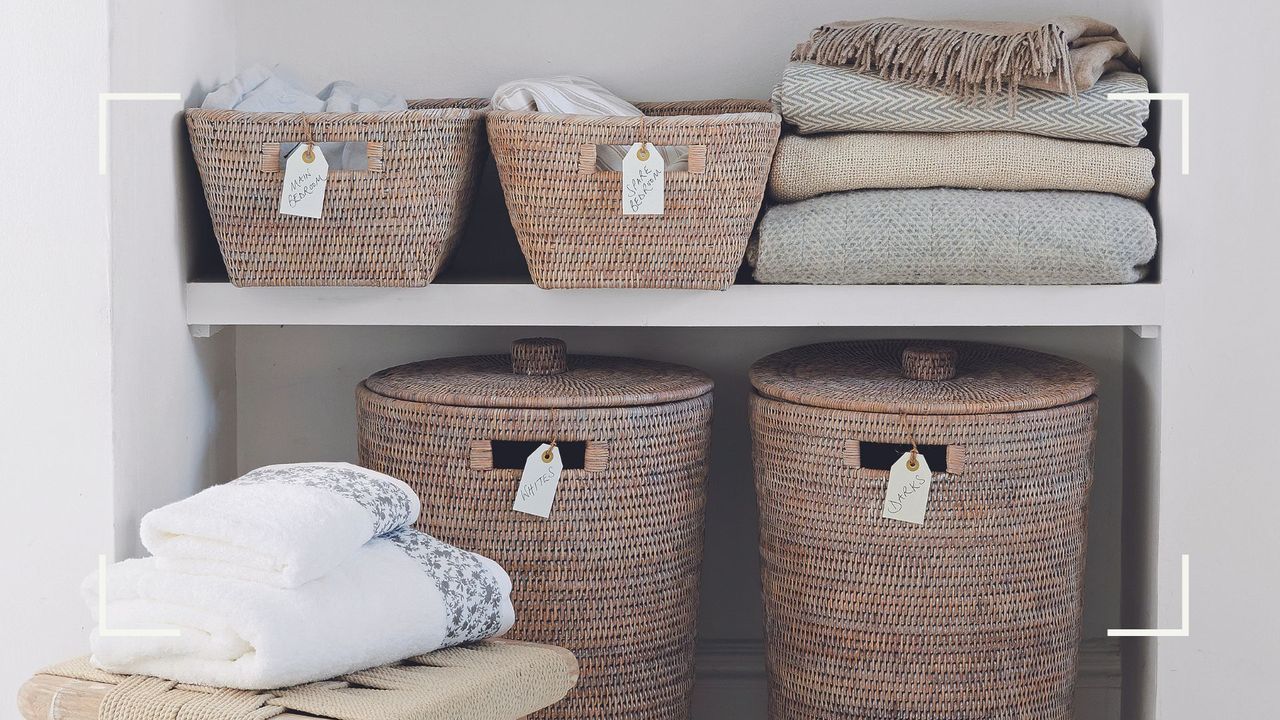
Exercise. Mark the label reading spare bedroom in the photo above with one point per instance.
(538, 483)
(643, 178)
(907, 495)
(305, 174)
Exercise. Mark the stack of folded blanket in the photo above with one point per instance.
(958, 152)
(291, 574)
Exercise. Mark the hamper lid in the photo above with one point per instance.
(539, 373)
(922, 378)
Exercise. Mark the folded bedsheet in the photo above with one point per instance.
(957, 237)
(400, 595)
(819, 98)
(809, 165)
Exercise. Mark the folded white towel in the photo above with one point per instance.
(400, 595)
(574, 95)
(282, 525)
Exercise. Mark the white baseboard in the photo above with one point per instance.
(732, 683)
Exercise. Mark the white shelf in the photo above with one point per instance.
(211, 304)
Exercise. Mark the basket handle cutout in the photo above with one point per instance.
(273, 154)
(588, 455)
(881, 456)
(590, 163)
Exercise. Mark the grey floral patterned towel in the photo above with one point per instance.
(283, 525)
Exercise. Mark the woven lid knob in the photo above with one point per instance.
(929, 362)
(539, 356)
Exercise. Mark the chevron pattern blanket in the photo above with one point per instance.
(809, 165)
(955, 237)
(819, 98)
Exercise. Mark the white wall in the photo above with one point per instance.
(1217, 496)
(665, 49)
(174, 395)
(55, 426)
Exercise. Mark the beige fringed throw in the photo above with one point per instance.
(974, 59)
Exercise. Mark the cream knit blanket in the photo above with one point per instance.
(805, 166)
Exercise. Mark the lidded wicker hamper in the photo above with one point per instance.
(612, 574)
(392, 224)
(567, 213)
(975, 613)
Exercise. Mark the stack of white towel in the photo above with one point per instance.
(291, 574)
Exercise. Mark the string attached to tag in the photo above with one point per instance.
(643, 177)
(306, 175)
(913, 457)
(550, 453)
(308, 155)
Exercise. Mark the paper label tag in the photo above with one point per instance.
(306, 173)
(907, 495)
(538, 483)
(643, 180)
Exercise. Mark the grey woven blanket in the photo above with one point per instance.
(955, 237)
(819, 98)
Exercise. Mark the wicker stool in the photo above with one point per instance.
(494, 680)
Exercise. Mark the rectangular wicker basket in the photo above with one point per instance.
(567, 213)
(392, 224)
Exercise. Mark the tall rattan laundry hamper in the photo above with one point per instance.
(976, 612)
(612, 574)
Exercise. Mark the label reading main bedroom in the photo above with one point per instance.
(907, 495)
(538, 483)
(305, 174)
(643, 180)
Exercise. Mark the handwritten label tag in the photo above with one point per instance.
(306, 173)
(643, 180)
(907, 496)
(538, 483)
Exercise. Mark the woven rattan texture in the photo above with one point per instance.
(589, 381)
(975, 614)
(394, 224)
(568, 216)
(497, 680)
(612, 574)
(868, 376)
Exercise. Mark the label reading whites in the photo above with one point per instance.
(907, 495)
(643, 177)
(305, 174)
(538, 483)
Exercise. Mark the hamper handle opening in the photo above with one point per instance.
(489, 455)
(589, 154)
(512, 454)
(273, 156)
(881, 456)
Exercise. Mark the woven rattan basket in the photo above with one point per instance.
(393, 224)
(975, 613)
(612, 574)
(567, 213)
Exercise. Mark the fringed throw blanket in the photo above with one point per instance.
(818, 99)
(970, 59)
(955, 237)
(805, 166)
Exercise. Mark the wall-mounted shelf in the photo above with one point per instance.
(211, 304)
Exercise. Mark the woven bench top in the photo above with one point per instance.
(494, 680)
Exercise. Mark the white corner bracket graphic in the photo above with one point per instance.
(1185, 99)
(1185, 630)
(107, 97)
(103, 630)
